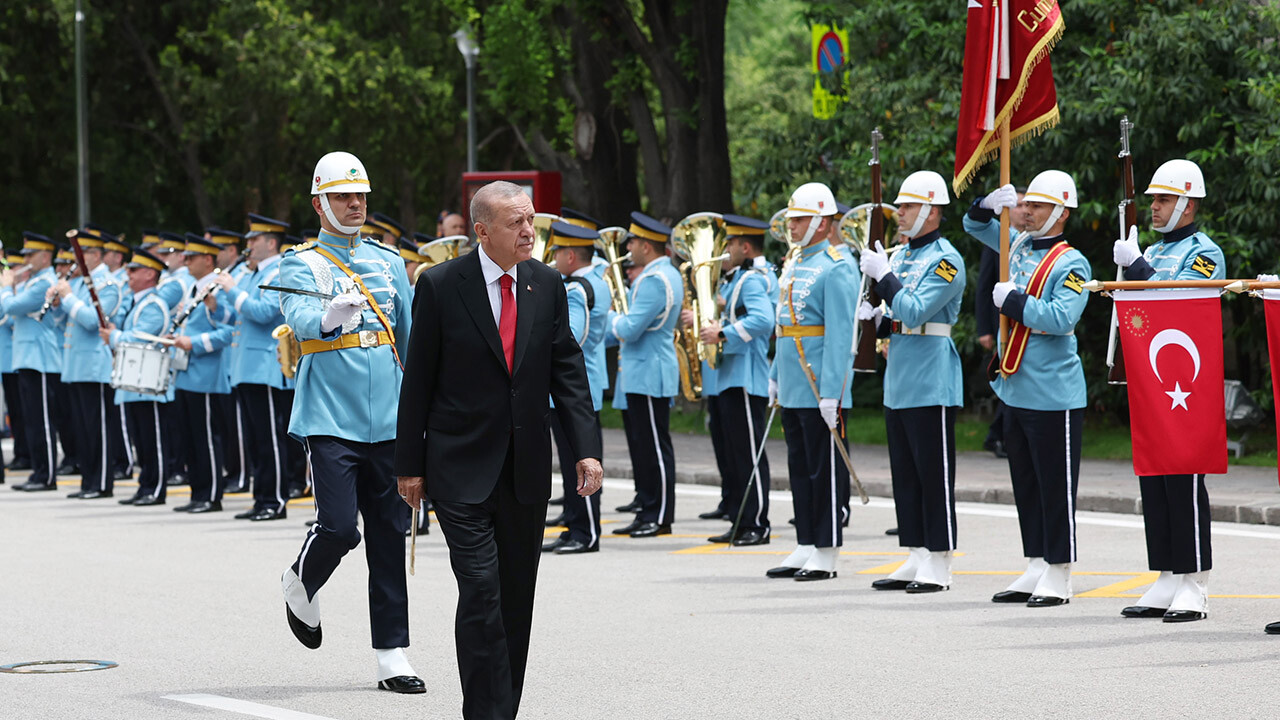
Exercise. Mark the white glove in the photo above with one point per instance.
(1000, 198)
(828, 408)
(866, 312)
(874, 263)
(341, 309)
(1269, 278)
(1126, 251)
(773, 392)
(1001, 291)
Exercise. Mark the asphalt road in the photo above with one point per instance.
(673, 627)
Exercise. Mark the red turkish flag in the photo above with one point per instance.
(1271, 301)
(1172, 343)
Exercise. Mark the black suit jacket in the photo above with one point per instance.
(460, 409)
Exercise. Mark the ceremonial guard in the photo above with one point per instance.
(345, 412)
(647, 373)
(149, 415)
(202, 331)
(1175, 508)
(742, 398)
(21, 460)
(922, 285)
(37, 357)
(86, 363)
(236, 462)
(256, 375)
(811, 377)
(588, 298)
(1040, 379)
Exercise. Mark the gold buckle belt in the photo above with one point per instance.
(801, 330)
(362, 339)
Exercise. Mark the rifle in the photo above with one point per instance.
(864, 342)
(1128, 215)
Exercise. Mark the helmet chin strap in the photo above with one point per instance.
(808, 234)
(921, 217)
(1178, 209)
(1048, 224)
(333, 219)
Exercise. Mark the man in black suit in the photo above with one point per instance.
(492, 343)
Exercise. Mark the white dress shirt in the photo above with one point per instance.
(493, 285)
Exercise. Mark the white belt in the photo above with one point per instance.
(930, 328)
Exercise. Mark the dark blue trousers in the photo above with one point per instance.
(818, 474)
(581, 514)
(1044, 464)
(922, 460)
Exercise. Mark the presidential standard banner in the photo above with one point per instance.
(1172, 341)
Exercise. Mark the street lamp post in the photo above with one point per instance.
(470, 50)
(82, 124)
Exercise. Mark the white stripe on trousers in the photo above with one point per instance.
(160, 479)
(755, 470)
(835, 497)
(662, 466)
(50, 448)
(1071, 509)
(100, 392)
(1195, 514)
(275, 446)
(240, 445)
(213, 459)
(946, 482)
(124, 433)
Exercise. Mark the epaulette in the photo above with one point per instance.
(834, 253)
(302, 246)
(382, 246)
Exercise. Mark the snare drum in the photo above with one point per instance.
(141, 368)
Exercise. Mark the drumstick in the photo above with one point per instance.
(154, 338)
(413, 540)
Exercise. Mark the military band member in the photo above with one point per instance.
(174, 285)
(37, 357)
(922, 285)
(1175, 508)
(21, 460)
(647, 373)
(149, 415)
(86, 370)
(255, 372)
(345, 412)
(588, 299)
(1041, 380)
(811, 378)
(412, 258)
(114, 255)
(236, 462)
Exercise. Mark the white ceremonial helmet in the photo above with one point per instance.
(339, 172)
(925, 187)
(1177, 177)
(1053, 186)
(811, 199)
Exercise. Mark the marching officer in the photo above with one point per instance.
(1175, 508)
(1040, 378)
(149, 415)
(742, 380)
(588, 300)
(202, 331)
(922, 285)
(811, 378)
(343, 412)
(236, 453)
(9, 379)
(647, 373)
(256, 375)
(37, 357)
(86, 363)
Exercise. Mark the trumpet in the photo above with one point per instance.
(700, 240)
(610, 242)
(542, 236)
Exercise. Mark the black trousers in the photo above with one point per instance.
(818, 474)
(922, 461)
(348, 478)
(40, 408)
(150, 423)
(267, 424)
(17, 419)
(236, 454)
(200, 416)
(741, 421)
(1044, 464)
(66, 425)
(631, 455)
(1175, 514)
(494, 547)
(581, 514)
(718, 449)
(295, 454)
(91, 416)
(119, 440)
(995, 431)
(652, 457)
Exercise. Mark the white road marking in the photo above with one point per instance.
(244, 707)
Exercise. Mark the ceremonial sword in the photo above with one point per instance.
(298, 291)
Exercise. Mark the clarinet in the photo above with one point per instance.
(181, 317)
(48, 303)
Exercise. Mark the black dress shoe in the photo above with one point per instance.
(75, 495)
(246, 514)
(1142, 611)
(556, 500)
(725, 537)
(891, 531)
(297, 492)
(889, 584)
(1046, 601)
(556, 521)
(1011, 596)
(575, 547)
(553, 545)
(148, 500)
(95, 494)
(311, 522)
(781, 572)
(205, 507)
(633, 506)
(236, 489)
(919, 588)
(176, 479)
(752, 537)
(627, 530)
(121, 474)
(792, 521)
(19, 463)
(424, 530)
(1272, 628)
(130, 500)
(1180, 616)
(67, 468)
(651, 529)
(406, 684)
(812, 575)
(36, 487)
(269, 514)
(309, 636)
(716, 514)
(186, 507)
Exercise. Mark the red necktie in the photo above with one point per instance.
(507, 321)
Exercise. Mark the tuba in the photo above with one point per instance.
(288, 350)
(699, 240)
(610, 245)
(542, 237)
(438, 251)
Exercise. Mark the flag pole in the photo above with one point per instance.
(1004, 228)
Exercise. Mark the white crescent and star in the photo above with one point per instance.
(1173, 336)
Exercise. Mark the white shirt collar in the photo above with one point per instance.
(760, 262)
(490, 268)
(583, 271)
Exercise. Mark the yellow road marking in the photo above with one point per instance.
(1114, 590)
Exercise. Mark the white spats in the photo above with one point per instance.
(1160, 594)
(1028, 580)
(907, 570)
(935, 569)
(295, 596)
(822, 559)
(1055, 582)
(1192, 593)
(392, 662)
(798, 556)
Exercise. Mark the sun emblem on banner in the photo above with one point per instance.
(1137, 322)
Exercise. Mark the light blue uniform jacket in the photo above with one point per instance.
(85, 358)
(647, 354)
(587, 323)
(174, 286)
(747, 324)
(37, 345)
(210, 335)
(150, 314)
(253, 357)
(1184, 254)
(819, 287)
